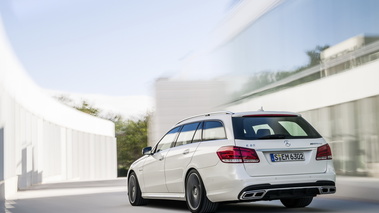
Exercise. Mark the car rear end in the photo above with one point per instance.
(276, 155)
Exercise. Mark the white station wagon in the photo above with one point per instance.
(235, 157)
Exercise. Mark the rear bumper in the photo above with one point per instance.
(231, 187)
(297, 190)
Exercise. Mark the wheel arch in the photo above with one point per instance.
(129, 172)
(185, 176)
(127, 179)
(204, 205)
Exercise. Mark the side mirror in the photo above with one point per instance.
(146, 151)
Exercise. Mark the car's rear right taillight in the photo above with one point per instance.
(324, 152)
(235, 154)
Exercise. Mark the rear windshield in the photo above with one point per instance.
(272, 127)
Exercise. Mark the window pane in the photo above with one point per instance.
(186, 134)
(197, 136)
(167, 140)
(286, 127)
(213, 130)
(293, 128)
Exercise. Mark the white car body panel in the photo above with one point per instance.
(153, 173)
(267, 167)
(176, 163)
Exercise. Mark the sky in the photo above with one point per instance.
(113, 47)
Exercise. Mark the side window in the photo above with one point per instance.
(186, 134)
(213, 130)
(197, 136)
(167, 140)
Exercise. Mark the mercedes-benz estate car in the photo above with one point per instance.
(235, 157)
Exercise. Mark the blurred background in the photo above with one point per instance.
(315, 57)
(137, 67)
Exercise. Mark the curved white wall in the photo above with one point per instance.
(42, 140)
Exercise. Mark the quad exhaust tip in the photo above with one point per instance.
(327, 189)
(259, 194)
(253, 195)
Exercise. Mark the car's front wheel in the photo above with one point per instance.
(196, 197)
(134, 191)
(296, 202)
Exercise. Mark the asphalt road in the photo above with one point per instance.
(110, 197)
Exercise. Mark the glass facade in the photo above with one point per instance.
(352, 129)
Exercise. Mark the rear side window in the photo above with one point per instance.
(272, 127)
(213, 130)
(186, 134)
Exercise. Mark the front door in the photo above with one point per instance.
(153, 169)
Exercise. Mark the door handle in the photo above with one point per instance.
(185, 151)
(161, 158)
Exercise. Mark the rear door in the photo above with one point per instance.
(178, 157)
(285, 144)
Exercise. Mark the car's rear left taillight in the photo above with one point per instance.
(235, 154)
(324, 152)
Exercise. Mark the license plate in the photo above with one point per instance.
(284, 157)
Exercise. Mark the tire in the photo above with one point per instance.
(196, 196)
(134, 191)
(296, 202)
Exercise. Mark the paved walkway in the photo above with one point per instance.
(348, 188)
(72, 188)
(109, 196)
(354, 188)
(357, 188)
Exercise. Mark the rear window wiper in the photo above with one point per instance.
(275, 136)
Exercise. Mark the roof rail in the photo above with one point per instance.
(206, 114)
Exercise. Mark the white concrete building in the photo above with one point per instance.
(178, 99)
(42, 140)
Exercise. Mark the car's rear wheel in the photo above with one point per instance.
(296, 202)
(134, 191)
(196, 197)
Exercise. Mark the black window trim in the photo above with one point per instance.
(200, 127)
(223, 125)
